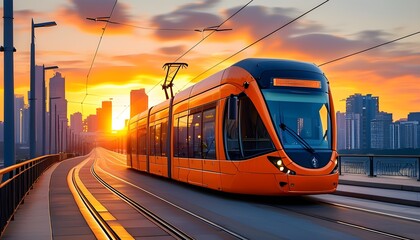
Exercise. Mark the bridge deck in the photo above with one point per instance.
(50, 210)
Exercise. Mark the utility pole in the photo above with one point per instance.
(9, 92)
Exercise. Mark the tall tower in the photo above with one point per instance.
(380, 131)
(341, 130)
(366, 106)
(58, 113)
(104, 115)
(19, 107)
(76, 122)
(139, 101)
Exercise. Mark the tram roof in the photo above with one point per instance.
(255, 66)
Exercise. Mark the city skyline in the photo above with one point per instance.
(363, 126)
(132, 57)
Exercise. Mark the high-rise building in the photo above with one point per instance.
(104, 115)
(366, 106)
(76, 122)
(91, 123)
(408, 134)
(25, 125)
(415, 116)
(380, 131)
(404, 134)
(139, 101)
(19, 106)
(58, 113)
(352, 133)
(341, 130)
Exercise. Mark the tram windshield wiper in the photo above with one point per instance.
(297, 137)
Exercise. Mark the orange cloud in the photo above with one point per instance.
(79, 10)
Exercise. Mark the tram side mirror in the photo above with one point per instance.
(232, 107)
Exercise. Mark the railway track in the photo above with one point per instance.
(169, 228)
(306, 214)
(380, 233)
(176, 232)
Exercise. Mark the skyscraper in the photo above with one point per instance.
(415, 116)
(139, 101)
(91, 123)
(380, 131)
(352, 133)
(104, 115)
(58, 113)
(341, 130)
(19, 106)
(366, 106)
(76, 122)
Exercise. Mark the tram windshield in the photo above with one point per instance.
(302, 119)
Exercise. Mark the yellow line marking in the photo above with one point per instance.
(105, 214)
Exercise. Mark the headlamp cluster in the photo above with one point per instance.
(278, 163)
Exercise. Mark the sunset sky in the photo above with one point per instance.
(132, 57)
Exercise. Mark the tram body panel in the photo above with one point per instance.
(260, 151)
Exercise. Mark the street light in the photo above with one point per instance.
(44, 109)
(32, 125)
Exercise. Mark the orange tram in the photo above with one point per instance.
(261, 126)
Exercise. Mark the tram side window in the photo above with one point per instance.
(246, 136)
(194, 135)
(182, 141)
(232, 137)
(209, 144)
(142, 139)
(164, 137)
(157, 142)
(152, 140)
(133, 143)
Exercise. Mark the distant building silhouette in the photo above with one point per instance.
(104, 115)
(404, 134)
(91, 123)
(366, 106)
(364, 127)
(76, 122)
(19, 107)
(58, 113)
(415, 116)
(341, 130)
(139, 101)
(380, 131)
(353, 131)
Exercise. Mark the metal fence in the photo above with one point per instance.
(380, 165)
(17, 180)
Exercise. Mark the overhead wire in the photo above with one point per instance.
(368, 49)
(257, 41)
(204, 38)
(195, 45)
(96, 53)
(140, 27)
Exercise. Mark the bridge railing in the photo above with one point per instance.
(17, 180)
(380, 165)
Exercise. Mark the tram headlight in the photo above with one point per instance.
(279, 164)
(335, 170)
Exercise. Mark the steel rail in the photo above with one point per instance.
(107, 230)
(213, 224)
(169, 228)
(345, 223)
